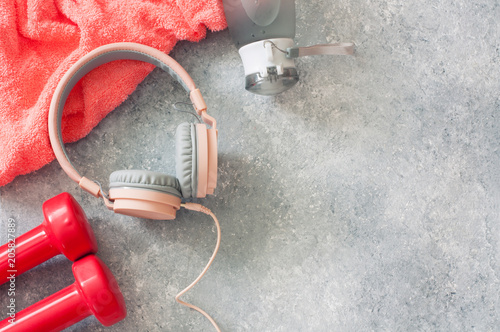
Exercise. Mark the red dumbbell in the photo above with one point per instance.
(95, 292)
(65, 230)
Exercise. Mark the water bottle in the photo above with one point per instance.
(263, 32)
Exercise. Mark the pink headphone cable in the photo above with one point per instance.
(201, 208)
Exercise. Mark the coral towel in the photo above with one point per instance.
(41, 39)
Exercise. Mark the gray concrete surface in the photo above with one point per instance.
(366, 198)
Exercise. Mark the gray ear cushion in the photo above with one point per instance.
(145, 180)
(186, 159)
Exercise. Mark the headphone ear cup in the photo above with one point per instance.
(145, 180)
(145, 194)
(186, 159)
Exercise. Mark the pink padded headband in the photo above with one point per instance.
(94, 59)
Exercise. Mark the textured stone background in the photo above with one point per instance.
(365, 198)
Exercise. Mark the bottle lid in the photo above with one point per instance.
(268, 70)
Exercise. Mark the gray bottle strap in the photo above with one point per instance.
(322, 49)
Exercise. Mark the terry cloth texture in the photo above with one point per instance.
(41, 39)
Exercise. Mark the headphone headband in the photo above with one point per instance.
(94, 59)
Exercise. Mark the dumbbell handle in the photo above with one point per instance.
(94, 292)
(54, 313)
(64, 230)
(32, 248)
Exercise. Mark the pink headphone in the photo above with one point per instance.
(140, 193)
